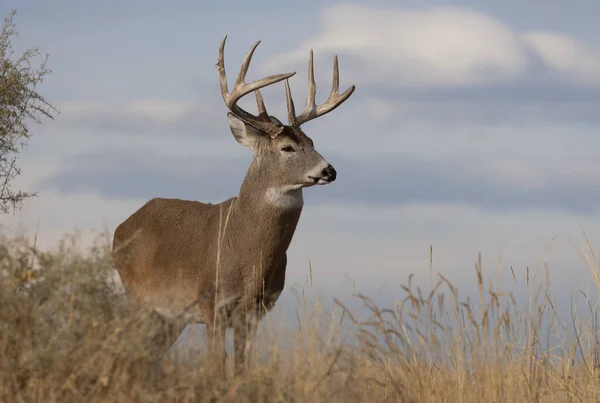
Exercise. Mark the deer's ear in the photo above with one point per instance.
(244, 133)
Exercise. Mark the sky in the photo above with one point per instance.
(474, 128)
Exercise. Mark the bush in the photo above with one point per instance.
(20, 104)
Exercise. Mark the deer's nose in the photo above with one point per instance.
(329, 173)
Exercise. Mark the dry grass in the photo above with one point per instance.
(67, 335)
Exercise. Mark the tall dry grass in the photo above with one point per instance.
(67, 334)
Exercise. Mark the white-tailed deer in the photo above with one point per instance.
(224, 264)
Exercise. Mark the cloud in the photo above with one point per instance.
(486, 105)
(440, 47)
(435, 65)
(57, 214)
(564, 55)
(145, 116)
(143, 174)
(167, 124)
(499, 183)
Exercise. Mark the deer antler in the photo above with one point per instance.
(241, 88)
(313, 111)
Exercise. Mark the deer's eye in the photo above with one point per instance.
(287, 149)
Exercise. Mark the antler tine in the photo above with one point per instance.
(290, 104)
(335, 98)
(335, 88)
(241, 77)
(242, 88)
(312, 87)
(260, 104)
(221, 68)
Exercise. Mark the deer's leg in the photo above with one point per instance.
(167, 331)
(244, 327)
(216, 328)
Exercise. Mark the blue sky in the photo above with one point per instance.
(474, 126)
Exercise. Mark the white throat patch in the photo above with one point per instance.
(285, 197)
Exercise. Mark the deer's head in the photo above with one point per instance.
(284, 154)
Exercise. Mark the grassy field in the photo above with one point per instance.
(67, 334)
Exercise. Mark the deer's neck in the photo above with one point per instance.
(265, 218)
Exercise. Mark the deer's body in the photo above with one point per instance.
(224, 265)
(180, 253)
